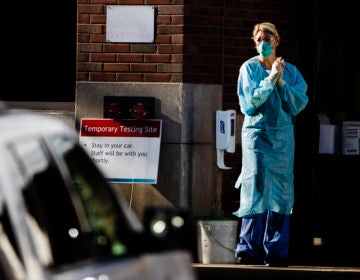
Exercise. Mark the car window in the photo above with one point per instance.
(73, 215)
(105, 220)
(51, 214)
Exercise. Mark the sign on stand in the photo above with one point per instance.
(127, 151)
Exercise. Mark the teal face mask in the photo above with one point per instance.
(264, 49)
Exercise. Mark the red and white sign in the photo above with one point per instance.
(127, 151)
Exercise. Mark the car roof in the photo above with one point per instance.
(17, 124)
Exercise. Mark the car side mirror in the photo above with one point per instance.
(170, 229)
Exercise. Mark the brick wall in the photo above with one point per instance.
(187, 47)
(200, 41)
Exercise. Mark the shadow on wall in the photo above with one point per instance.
(141, 196)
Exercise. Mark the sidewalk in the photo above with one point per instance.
(252, 272)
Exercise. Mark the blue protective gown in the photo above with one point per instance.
(267, 137)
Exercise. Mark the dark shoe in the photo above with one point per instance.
(277, 262)
(242, 258)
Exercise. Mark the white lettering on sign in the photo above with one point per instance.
(118, 128)
(98, 129)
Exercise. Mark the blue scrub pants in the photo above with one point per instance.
(264, 236)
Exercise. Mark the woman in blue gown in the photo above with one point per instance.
(271, 92)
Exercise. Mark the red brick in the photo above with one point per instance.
(116, 48)
(130, 57)
(129, 77)
(90, 28)
(90, 9)
(163, 19)
(99, 76)
(83, 19)
(89, 48)
(83, 57)
(130, 2)
(107, 2)
(163, 78)
(170, 49)
(163, 39)
(97, 19)
(97, 38)
(177, 39)
(91, 67)
(83, 38)
(158, 2)
(170, 68)
(157, 58)
(170, 29)
(176, 78)
(102, 57)
(142, 67)
(171, 10)
(82, 76)
(143, 48)
(116, 67)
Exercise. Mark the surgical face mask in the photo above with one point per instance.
(264, 49)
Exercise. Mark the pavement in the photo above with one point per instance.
(253, 272)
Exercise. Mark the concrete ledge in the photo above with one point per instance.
(188, 111)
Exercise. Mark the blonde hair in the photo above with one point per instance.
(266, 27)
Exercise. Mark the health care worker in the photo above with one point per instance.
(270, 91)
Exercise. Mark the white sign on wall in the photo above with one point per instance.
(130, 24)
(127, 151)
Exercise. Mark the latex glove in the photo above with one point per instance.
(276, 70)
(280, 82)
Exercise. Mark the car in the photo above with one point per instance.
(61, 219)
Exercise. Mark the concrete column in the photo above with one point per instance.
(187, 175)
